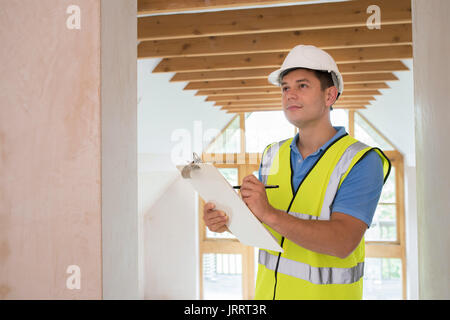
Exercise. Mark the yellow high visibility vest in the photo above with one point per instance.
(299, 273)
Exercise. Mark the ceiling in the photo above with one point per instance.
(227, 54)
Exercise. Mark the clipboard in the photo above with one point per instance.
(213, 187)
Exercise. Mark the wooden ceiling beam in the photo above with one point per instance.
(275, 102)
(263, 83)
(274, 60)
(273, 19)
(276, 90)
(348, 78)
(221, 92)
(253, 109)
(345, 69)
(225, 62)
(246, 103)
(249, 97)
(372, 67)
(174, 6)
(273, 97)
(368, 78)
(278, 108)
(262, 104)
(278, 102)
(223, 75)
(400, 34)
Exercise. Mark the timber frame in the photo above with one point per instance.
(231, 52)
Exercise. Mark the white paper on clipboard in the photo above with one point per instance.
(213, 187)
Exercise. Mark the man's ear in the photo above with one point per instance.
(331, 94)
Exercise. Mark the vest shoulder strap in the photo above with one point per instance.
(268, 155)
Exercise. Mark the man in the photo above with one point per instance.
(329, 187)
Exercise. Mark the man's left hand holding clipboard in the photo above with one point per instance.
(253, 193)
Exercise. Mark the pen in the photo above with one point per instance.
(267, 187)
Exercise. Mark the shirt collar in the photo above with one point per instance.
(340, 132)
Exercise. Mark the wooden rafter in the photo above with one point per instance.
(164, 6)
(274, 97)
(271, 103)
(278, 108)
(258, 83)
(265, 60)
(264, 91)
(290, 18)
(241, 91)
(326, 39)
(348, 78)
(227, 55)
(345, 69)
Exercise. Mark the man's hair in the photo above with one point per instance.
(324, 77)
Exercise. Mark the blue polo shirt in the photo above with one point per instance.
(359, 193)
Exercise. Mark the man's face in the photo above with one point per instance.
(302, 98)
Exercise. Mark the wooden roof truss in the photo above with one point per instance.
(226, 55)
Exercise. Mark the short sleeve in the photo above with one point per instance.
(360, 192)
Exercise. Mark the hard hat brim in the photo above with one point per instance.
(274, 77)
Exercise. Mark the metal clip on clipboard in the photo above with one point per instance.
(186, 172)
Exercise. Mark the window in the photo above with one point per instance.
(382, 279)
(222, 276)
(384, 224)
(385, 268)
(227, 267)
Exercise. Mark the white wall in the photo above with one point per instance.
(119, 151)
(431, 27)
(164, 108)
(393, 113)
(170, 241)
(412, 276)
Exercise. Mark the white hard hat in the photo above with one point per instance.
(310, 57)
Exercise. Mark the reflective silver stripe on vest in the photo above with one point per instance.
(303, 216)
(311, 274)
(268, 158)
(339, 170)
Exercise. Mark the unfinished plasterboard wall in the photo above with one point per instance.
(121, 262)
